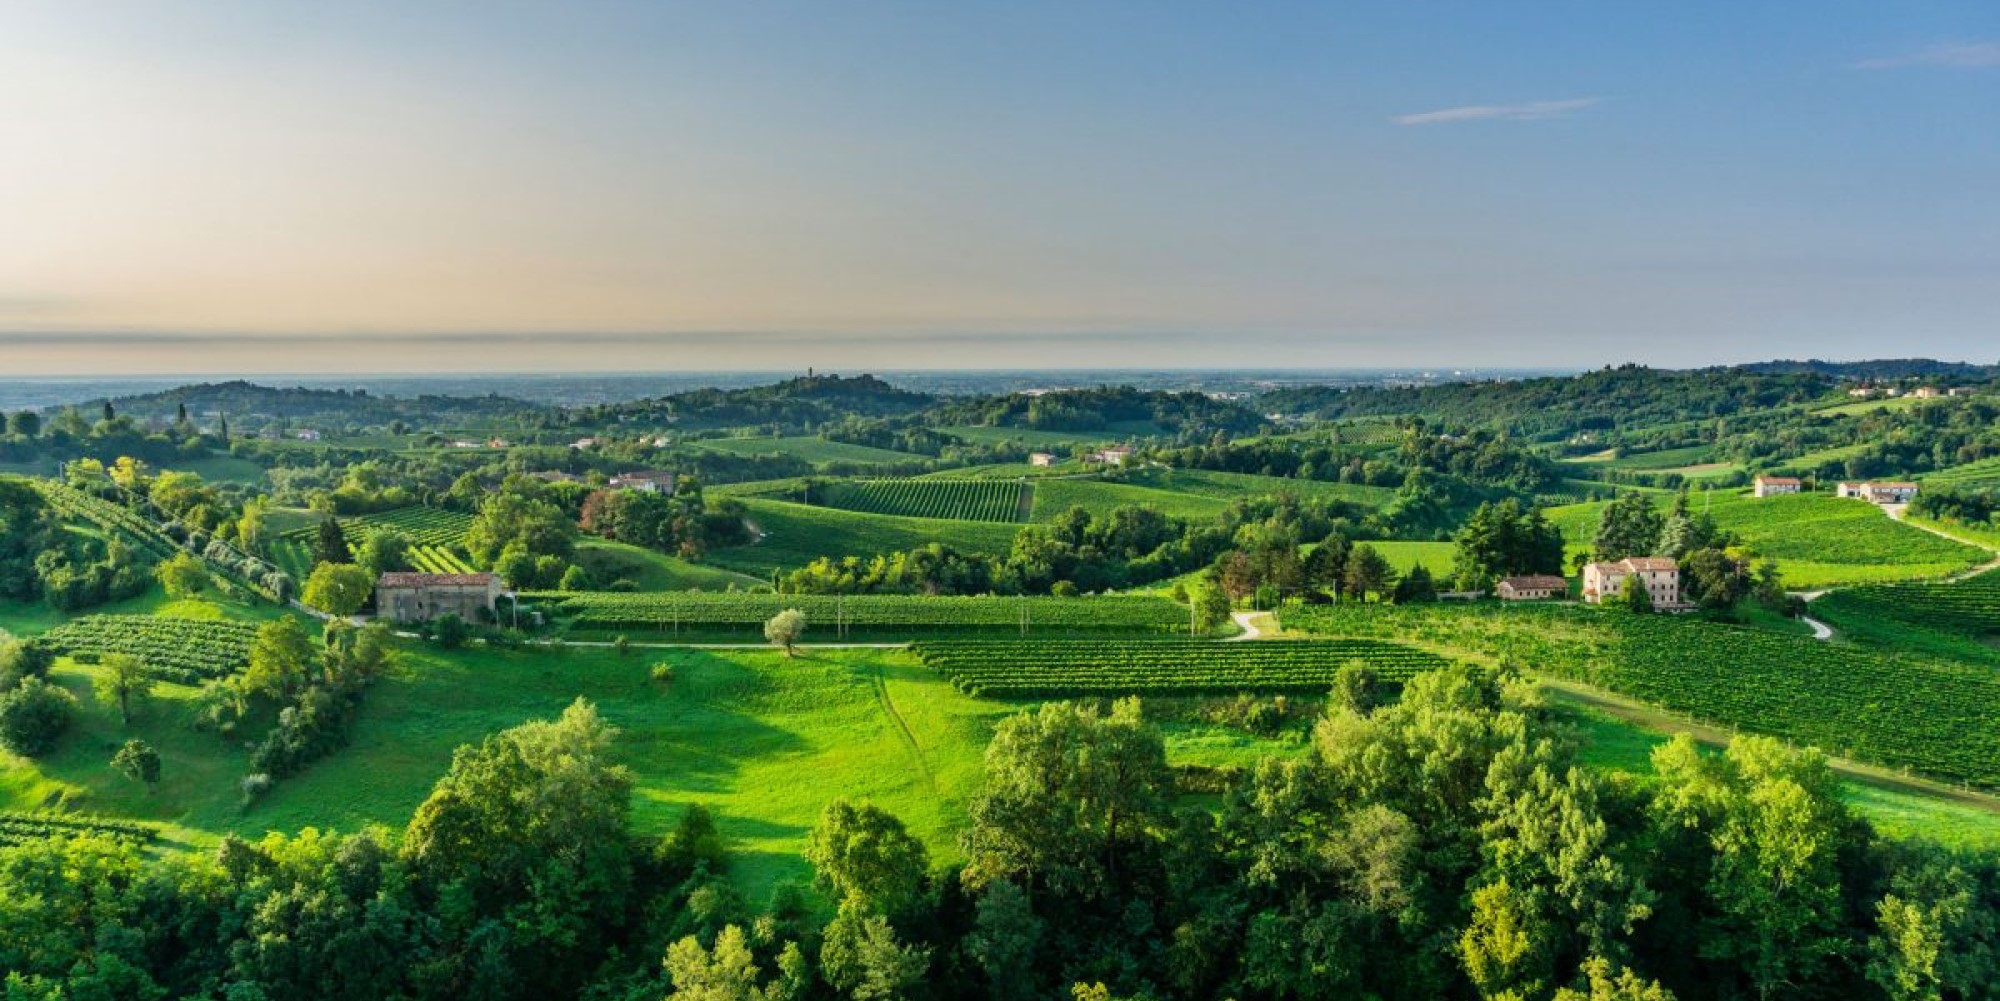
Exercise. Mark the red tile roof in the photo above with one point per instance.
(435, 580)
(1536, 582)
(1643, 563)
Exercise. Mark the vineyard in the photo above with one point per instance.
(955, 499)
(1844, 699)
(132, 529)
(18, 828)
(831, 616)
(434, 533)
(1057, 668)
(178, 650)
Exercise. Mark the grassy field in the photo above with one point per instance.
(608, 561)
(1432, 556)
(810, 449)
(795, 534)
(1870, 406)
(1817, 539)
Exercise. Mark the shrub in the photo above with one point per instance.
(33, 716)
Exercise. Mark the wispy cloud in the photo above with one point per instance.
(1532, 111)
(1943, 55)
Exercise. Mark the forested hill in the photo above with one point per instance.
(1885, 369)
(807, 400)
(1555, 408)
(246, 404)
(1105, 407)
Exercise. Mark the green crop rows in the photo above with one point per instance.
(959, 500)
(437, 559)
(425, 526)
(18, 828)
(1892, 709)
(1055, 668)
(133, 529)
(1970, 605)
(181, 650)
(829, 615)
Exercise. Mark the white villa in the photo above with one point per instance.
(1660, 576)
(651, 482)
(1882, 492)
(1772, 486)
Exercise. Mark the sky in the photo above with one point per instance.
(208, 186)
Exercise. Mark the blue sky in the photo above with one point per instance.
(279, 186)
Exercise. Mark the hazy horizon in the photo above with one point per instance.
(414, 187)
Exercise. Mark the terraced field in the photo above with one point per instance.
(1060, 668)
(959, 500)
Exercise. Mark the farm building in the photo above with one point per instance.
(1660, 576)
(1535, 588)
(306, 434)
(1884, 492)
(1926, 392)
(1041, 459)
(1959, 391)
(1772, 486)
(420, 597)
(1111, 456)
(651, 482)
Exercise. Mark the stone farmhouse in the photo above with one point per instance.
(1539, 587)
(420, 597)
(1110, 456)
(1041, 459)
(1880, 492)
(1660, 576)
(651, 482)
(1772, 486)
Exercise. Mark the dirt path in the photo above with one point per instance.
(1252, 630)
(1821, 631)
(1660, 721)
(903, 730)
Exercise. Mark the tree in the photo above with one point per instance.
(1416, 586)
(1325, 568)
(33, 716)
(121, 681)
(25, 423)
(1368, 572)
(1502, 540)
(1630, 526)
(338, 589)
(1005, 936)
(863, 853)
(785, 628)
(530, 829)
(182, 575)
(383, 552)
(137, 760)
(862, 957)
(1633, 596)
(1604, 982)
(330, 543)
(1068, 794)
(1714, 579)
(279, 658)
(1211, 605)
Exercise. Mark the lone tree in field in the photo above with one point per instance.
(785, 628)
(139, 762)
(125, 680)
